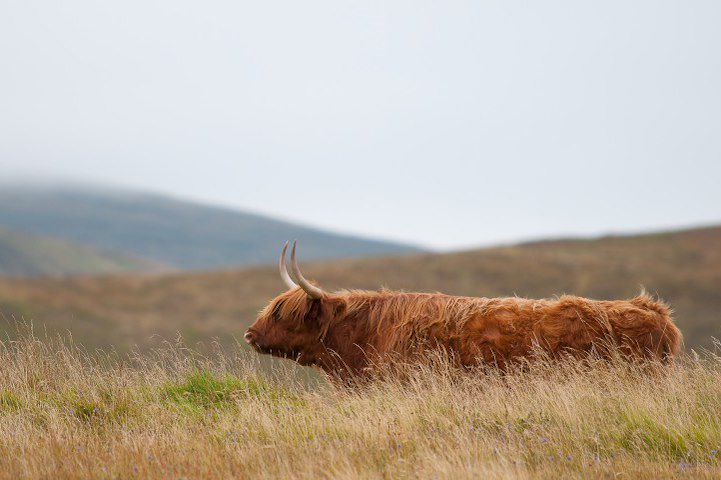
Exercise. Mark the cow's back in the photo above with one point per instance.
(508, 329)
(501, 330)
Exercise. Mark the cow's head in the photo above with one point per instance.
(294, 323)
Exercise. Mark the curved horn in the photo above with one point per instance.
(283, 270)
(311, 290)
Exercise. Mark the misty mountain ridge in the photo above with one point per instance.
(27, 255)
(165, 231)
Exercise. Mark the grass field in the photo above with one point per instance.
(172, 413)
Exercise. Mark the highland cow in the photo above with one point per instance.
(348, 333)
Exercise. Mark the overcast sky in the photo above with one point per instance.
(445, 123)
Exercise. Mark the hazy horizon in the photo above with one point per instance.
(447, 125)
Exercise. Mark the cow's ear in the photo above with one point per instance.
(315, 311)
(323, 310)
(332, 308)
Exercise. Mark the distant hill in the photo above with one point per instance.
(683, 268)
(176, 233)
(24, 254)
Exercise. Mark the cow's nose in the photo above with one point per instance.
(249, 337)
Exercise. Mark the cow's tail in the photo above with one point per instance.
(669, 339)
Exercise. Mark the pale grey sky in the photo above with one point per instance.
(445, 123)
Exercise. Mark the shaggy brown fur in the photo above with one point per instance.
(348, 332)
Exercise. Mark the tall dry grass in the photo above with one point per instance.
(173, 413)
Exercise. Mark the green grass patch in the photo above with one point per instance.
(639, 430)
(85, 410)
(9, 401)
(97, 410)
(205, 390)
